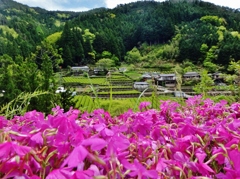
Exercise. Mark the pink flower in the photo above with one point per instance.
(10, 148)
(59, 174)
(75, 157)
(137, 169)
(144, 105)
(203, 168)
(37, 139)
(95, 143)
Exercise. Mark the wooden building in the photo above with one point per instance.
(76, 70)
(191, 76)
(168, 80)
(140, 86)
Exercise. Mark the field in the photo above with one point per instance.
(117, 106)
(85, 81)
(115, 93)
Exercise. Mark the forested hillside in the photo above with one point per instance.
(185, 31)
(193, 31)
(22, 27)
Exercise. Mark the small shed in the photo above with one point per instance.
(140, 86)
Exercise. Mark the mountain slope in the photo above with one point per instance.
(26, 27)
(191, 30)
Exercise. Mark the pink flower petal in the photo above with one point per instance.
(59, 174)
(95, 143)
(76, 157)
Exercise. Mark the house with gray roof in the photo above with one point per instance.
(191, 76)
(140, 86)
(168, 80)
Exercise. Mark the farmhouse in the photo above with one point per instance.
(217, 75)
(155, 74)
(168, 80)
(150, 75)
(140, 86)
(123, 69)
(80, 68)
(146, 76)
(191, 76)
(218, 78)
(98, 70)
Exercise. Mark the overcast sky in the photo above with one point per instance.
(83, 5)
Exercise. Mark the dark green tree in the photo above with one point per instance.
(48, 60)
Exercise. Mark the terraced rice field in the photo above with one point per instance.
(86, 103)
(85, 81)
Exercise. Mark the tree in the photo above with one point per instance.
(67, 56)
(116, 60)
(205, 85)
(48, 59)
(133, 56)
(188, 66)
(66, 99)
(235, 78)
(88, 39)
(8, 84)
(105, 63)
(214, 20)
(79, 52)
(7, 74)
(21, 75)
(211, 56)
(31, 74)
(106, 54)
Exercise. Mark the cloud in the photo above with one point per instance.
(45, 4)
(113, 3)
(65, 5)
(232, 3)
(84, 5)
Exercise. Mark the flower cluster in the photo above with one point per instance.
(198, 139)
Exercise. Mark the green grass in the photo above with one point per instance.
(106, 87)
(121, 92)
(133, 75)
(121, 77)
(84, 103)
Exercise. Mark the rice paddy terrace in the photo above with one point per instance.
(115, 90)
(117, 86)
(100, 91)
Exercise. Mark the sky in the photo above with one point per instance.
(84, 5)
